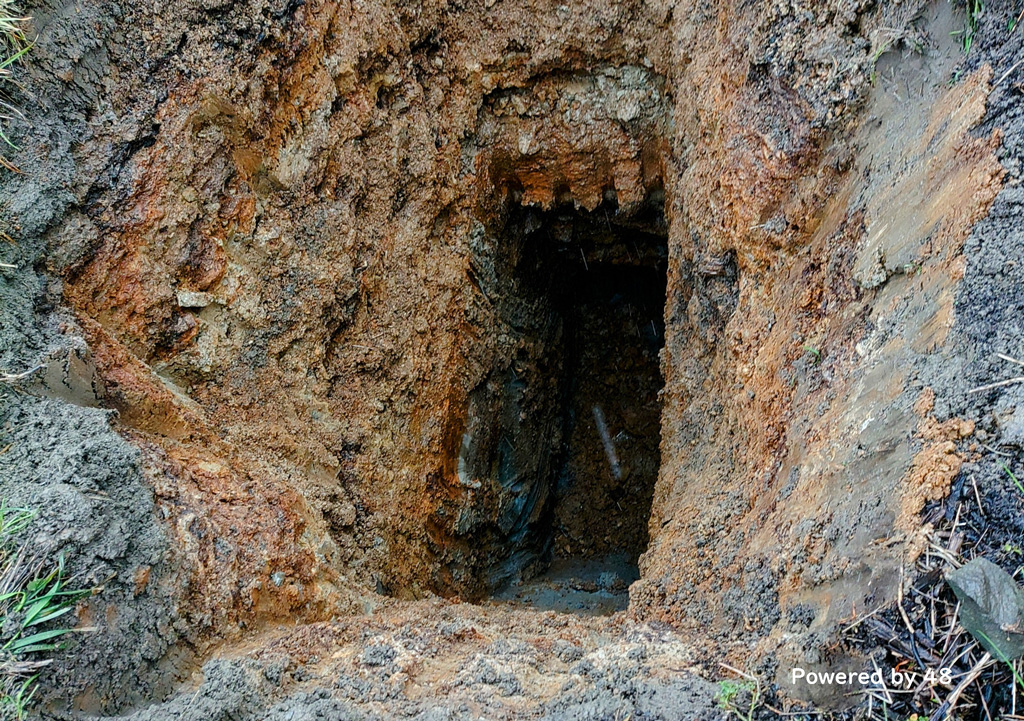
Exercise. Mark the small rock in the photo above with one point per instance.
(611, 581)
(193, 299)
(567, 652)
(992, 607)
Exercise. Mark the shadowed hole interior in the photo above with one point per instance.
(583, 294)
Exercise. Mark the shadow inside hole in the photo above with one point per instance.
(575, 429)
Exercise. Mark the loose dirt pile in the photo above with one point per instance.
(350, 313)
(433, 660)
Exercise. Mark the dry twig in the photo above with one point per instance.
(15, 377)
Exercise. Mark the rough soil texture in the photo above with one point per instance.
(434, 660)
(821, 450)
(283, 265)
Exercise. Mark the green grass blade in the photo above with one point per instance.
(38, 584)
(19, 644)
(42, 606)
(1020, 486)
(52, 615)
(7, 62)
(7, 140)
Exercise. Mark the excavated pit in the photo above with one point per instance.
(568, 424)
(341, 302)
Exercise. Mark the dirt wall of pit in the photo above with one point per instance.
(253, 242)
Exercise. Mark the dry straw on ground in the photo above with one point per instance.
(922, 631)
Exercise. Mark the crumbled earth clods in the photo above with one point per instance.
(436, 660)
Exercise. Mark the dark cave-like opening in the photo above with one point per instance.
(612, 304)
(576, 432)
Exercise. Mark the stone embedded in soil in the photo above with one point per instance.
(993, 607)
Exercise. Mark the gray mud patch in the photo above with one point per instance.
(589, 587)
(58, 455)
(989, 312)
(94, 508)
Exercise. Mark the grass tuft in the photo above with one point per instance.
(13, 46)
(34, 592)
(740, 698)
(973, 10)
